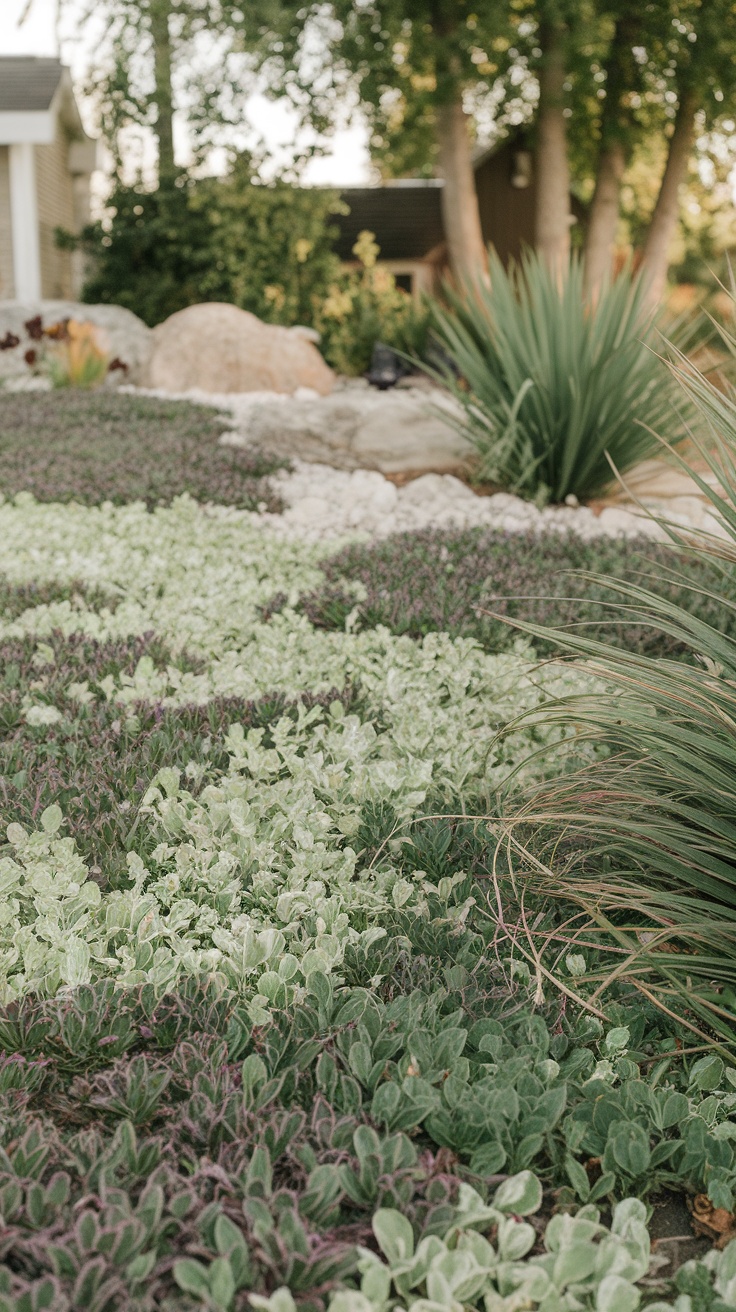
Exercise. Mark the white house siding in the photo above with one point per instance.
(55, 210)
(7, 286)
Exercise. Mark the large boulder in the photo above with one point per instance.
(405, 429)
(125, 336)
(218, 348)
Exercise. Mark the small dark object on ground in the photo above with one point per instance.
(387, 367)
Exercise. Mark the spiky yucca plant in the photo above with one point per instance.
(645, 840)
(551, 385)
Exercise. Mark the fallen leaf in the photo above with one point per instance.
(713, 1222)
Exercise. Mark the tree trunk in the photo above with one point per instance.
(603, 219)
(460, 212)
(655, 256)
(552, 218)
(164, 94)
(623, 78)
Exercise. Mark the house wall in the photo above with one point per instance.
(421, 273)
(7, 286)
(56, 209)
(506, 212)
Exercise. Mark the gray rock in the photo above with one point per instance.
(361, 428)
(309, 334)
(126, 336)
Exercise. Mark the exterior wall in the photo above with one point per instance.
(506, 212)
(56, 209)
(7, 282)
(79, 259)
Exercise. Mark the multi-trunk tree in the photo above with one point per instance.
(411, 65)
(609, 73)
(698, 51)
(670, 67)
(621, 87)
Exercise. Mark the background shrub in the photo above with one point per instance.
(365, 306)
(264, 247)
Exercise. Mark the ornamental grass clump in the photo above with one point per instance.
(553, 388)
(645, 839)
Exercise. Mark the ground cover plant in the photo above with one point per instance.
(215, 1159)
(93, 762)
(266, 1039)
(109, 447)
(468, 582)
(553, 389)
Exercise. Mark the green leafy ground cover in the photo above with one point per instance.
(272, 1031)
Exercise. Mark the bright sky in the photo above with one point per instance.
(346, 162)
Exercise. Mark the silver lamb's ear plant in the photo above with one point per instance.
(644, 840)
(583, 1265)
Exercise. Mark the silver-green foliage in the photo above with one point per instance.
(585, 1267)
(552, 386)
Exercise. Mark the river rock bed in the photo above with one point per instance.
(324, 502)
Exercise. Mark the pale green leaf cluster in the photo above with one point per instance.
(585, 1267)
(252, 879)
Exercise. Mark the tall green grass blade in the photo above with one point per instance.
(647, 833)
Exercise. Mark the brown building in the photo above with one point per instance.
(46, 159)
(405, 216)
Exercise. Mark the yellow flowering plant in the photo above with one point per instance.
(366, 307)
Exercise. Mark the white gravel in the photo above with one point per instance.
(324, 503)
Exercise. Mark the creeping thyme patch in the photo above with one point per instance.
(460, 581)
(91, 447)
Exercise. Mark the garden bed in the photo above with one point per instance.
(263, 1028)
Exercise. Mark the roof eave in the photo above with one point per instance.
(37, 127)
(27, 126)
(64, 104)
(483, 153)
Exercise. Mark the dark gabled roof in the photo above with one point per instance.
(406, 219)
(28, 83)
